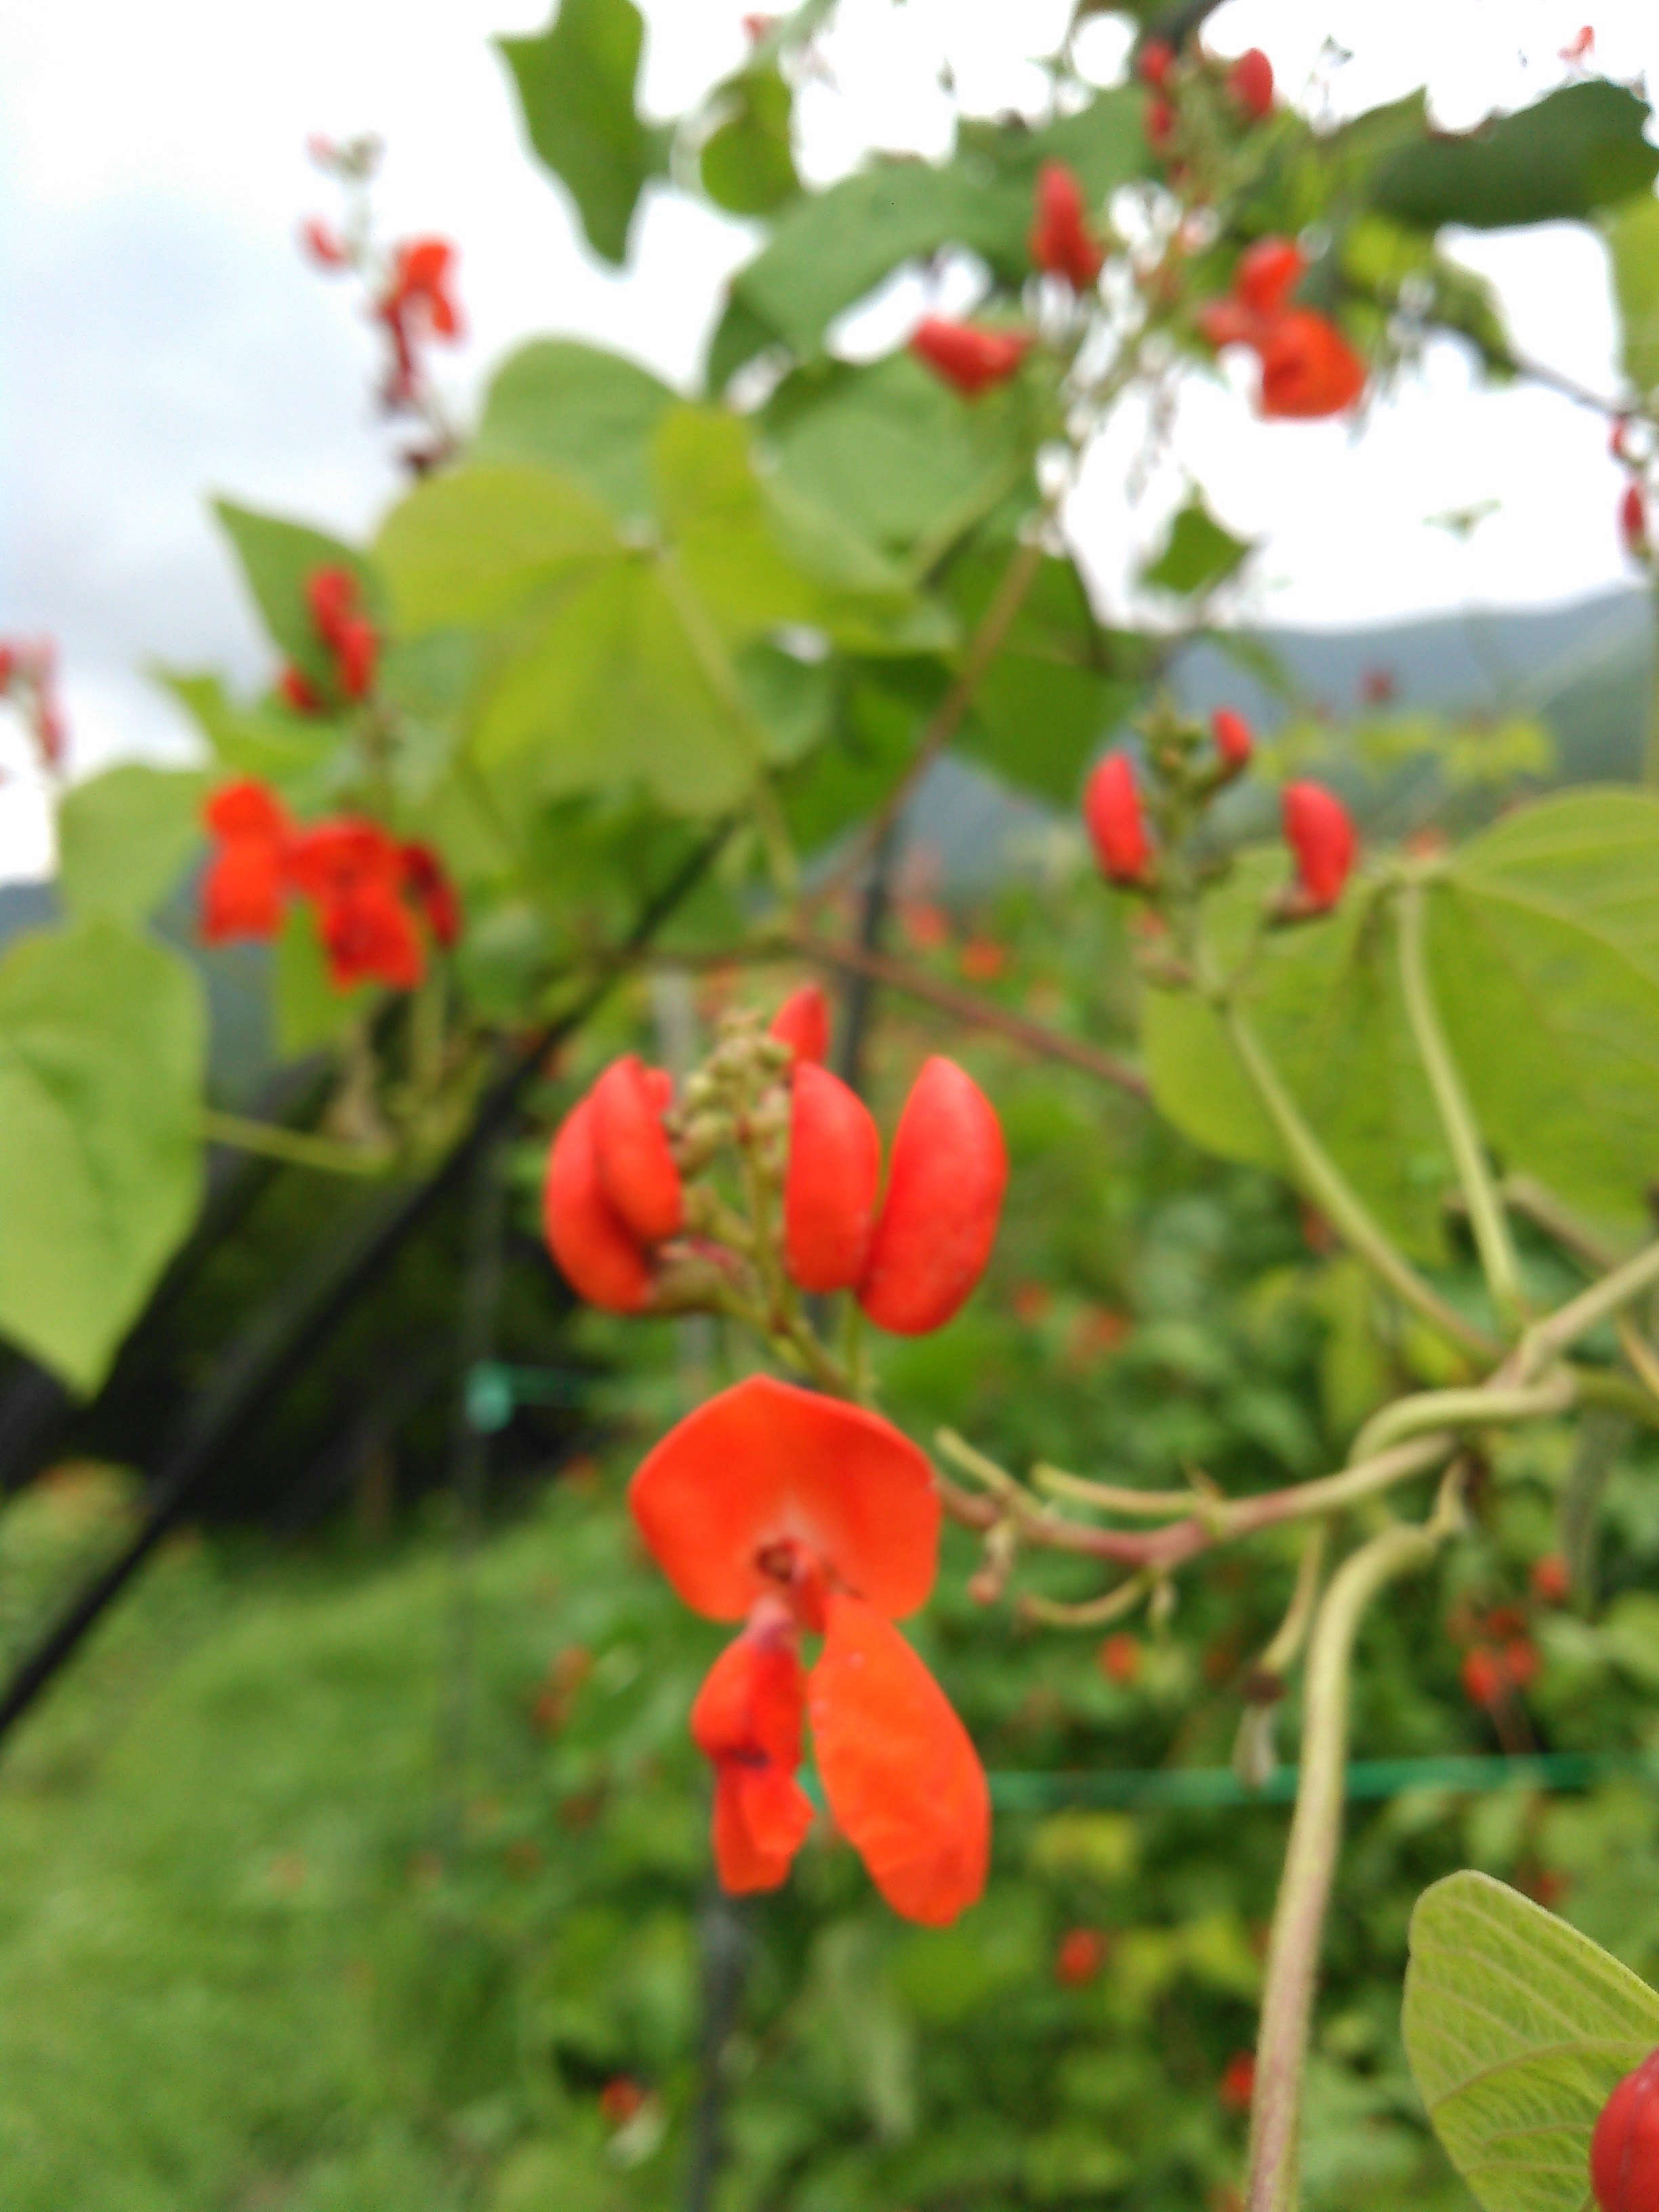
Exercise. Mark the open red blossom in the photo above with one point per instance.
(1268, 274)
(1623, 2158)
(1234, 739)
(635, 1161)
(899, 1770)
(434, 892)
(1061, 244)
(596, 1251)
(831, 1184)
(748, 1720)
(1320, 832)
(1250, 81)
(1116, 825)
(965, 356)
(1308, 368)
(802, 1023)
(369, 936)
(943, 1200)
(242, 889)
(335, 856)
(422, 277)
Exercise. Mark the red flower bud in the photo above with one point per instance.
(1268, 274)
(322, 244)
(636, 1164)
(1624, 2148)
(1619, 438)
(1116, 827)
(1155, 60)
(1308, 367)
(1552, 1583)
(968, 358)
(596, 1252)
(1119, 1659)
(1250, 81)
(357, 650)
(1521, 1662)
(1633, 522)
(1081, 1955)
(832, 1181)
(1234, 739)
(1158, 121)
(802, 1023)
(331, 596)
(1320, 832)
(1238, 2086)
(938, 1219)
(1060, 244)
(1484, 1681)
(620, 2099)
(298, 691)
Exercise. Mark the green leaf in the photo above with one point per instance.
(310, 1012)
(1198, 554)
(1578, 149)
(1104, 144)
(1324, 999)
(747, 166)
(1544, 951)
(1516, 2029)
(1632, 236)
(124, 838)
(586, 415)
(610, 695)
(295, 752)
(102, 1039)
(277, 557)
(575, 85)
(478, 545)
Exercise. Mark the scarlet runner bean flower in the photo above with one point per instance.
(1250, 81)
(1061, 244)
(1078, 1960)
(944, 1198)
(242, 892)
(968, 357)
(1116, 826)
(1156, 61)
(1234, 739)
(1308, 367)
(832, 1182)
(354, 871)
(612, 1190)
(434, 894)
(1633, 522)
(797, 1514)
(417, 303)
(802, 1023)
(1624, 2148)
(1320, 833)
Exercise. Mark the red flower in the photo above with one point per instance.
(1238, 2081)
(1552, 1582)
(597, 1252)
(299, 692)
(420, 277)
(1119, 1659)
(331, 596)
(1234, 739)
(1485, 1681)
(1250, 81)
(1308, 367)
(369, 936)
(1633, 522)
(1321, 833)
(1061, 243)
(1155, 60)
(1582, 46)
(798, 1512)
(831, 1184)
(968, 358)
(1268, 274)
(322, 244)
(635, 1162)
(620, 2099)
(334, 857)
(1116, 827)
(1158, 121)
(358, 654)
(1081, 1955)
(433, 893)
(938, 1219)
(802, 1023)
(242, 890)
(1624, 2156)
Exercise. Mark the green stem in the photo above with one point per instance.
(1483, 1407)
(1650, 749)
(1330, 1191)
(1311, 1862)
(1487, 1218)
(273, 1142)
(1579, 1315)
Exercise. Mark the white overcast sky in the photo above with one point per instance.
(160, 339)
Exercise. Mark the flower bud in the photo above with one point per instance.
(938, 1219)
(1061, 243)
(802, 1023)
(596, 1253)
(331, 596)
(1321, 833)
(1625, 2147)
(966, 357)
(1250, 81)
(357, 649)
(1158, 121)
(832, 1182)
(1157, 58)
(1633, 522)
(636, 1164)
(1116, 827)
(1234, 739)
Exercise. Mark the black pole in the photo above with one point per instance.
(257, 1378)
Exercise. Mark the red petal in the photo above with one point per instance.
(1320, 832)
(1308, 367)
(588, 1238)
(332, 595)
(762, 1816)
(833, 1181)
(802, 1023)
(752, 1703)
(242, 890)
(945, 1190)
(767, 1463)
(1625, 2147)
(245, 808)
(1114, 820)
(636, 1166)
(1268, 274)
(902, 1779)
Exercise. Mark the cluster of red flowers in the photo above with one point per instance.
(1249, 83)
(1308, 367)
(350, 639)
(1318, 828)
(614, 1200)
(799, 1514)
(412, 293)
(29, 676)
(372, 893)
(1502, 1660)
(1625, 2147)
